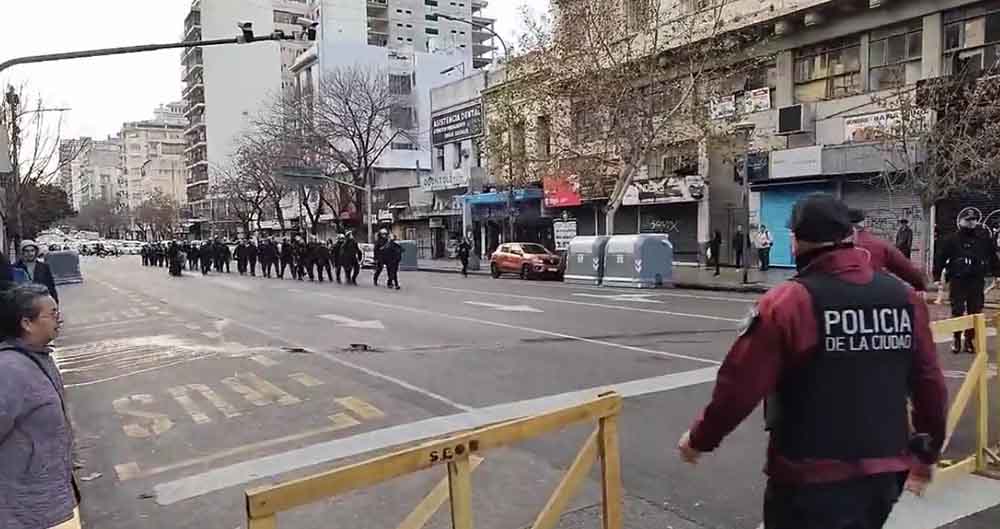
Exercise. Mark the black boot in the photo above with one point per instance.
(956, 344)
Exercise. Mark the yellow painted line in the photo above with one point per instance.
(220, 404)
(361, 408)
(283, 397)
(248, 393)
(180, 394)
(306, 380)
(150, 423)
(140, 371)
(130, 471)
(264, 361)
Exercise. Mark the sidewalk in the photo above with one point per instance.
(690, 277)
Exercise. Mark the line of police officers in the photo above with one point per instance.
(301, 259)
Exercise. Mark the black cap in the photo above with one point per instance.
(968, 215)
(904, 221)
(820, 217)
(856, 215)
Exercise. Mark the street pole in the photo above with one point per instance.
(748, 130)
(13, 101)
(371, 204)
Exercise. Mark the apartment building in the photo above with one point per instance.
(96, 173)
(816, 101)
(224, 86)
(153, 155)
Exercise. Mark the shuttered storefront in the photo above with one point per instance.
(776, 205)
(884, 211)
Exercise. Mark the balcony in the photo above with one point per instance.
(196, 124)
(378, 40)
(192, 33)
(193, 90)
(189, 71)
(196, 107)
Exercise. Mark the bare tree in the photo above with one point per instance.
(158, 215)
(106, 218)
(35, 153)
(618, 83)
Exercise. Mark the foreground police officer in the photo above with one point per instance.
(966, 258)
(837, 350)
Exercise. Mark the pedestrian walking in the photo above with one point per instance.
(31, 270)
(840, 445)
(741, 241)
(338, 261)
(324, 260)
(241, 257)
(967, 257)
(904, 238)
(207, 254)
(464, 250)
(252, 254)
(287, 258)
(883, 256)
(764, 244)
(268, 256)
(392, 255)
(380, 241)
(36, 440)
(351, 256)
(715, 251)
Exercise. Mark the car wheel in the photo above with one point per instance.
(494, 271)
(525, 273)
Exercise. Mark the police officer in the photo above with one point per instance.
(268, 256)
(884, 256)
(338, 262)
(380, 243)
(207, 254)
(323, 260)
(350, 258)
(287, 259)
(967, 257)
(392, 254)
(252, 254)
(241, 258)
(837, 351)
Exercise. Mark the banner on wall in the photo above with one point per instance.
(564, 231)
(690, 188)
(562, 190)
(871, 127)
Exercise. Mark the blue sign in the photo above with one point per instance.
(520, 195)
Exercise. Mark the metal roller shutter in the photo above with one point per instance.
(884, 211)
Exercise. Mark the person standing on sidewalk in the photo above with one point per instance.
(741, 241)
(35, 271)
(904, 238)
(715, 248)
(967, 257)
(764, 244)
(840, 447)
(883, 256)
(464, 250)
(37, 489)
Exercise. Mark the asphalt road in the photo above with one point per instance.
(186, 391)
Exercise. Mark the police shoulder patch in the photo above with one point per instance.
(748, 321)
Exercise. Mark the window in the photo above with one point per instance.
(431, 18)
(543, 137)
(400, 85)
(432, 3)
(586, 121)
(637, 14)
(431, 31)
(894, 56)
(284, 17)
(439, 158)
(403, 146)
(401, 117)
(829, 70)
(458, 154)
(972, 39)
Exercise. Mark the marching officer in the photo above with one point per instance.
(268, 256)
(381, 240)
(241, 257)
(837, 351)
(252, 255)
(967, 257)
(392, 255)
(338, 261)
(350, 258)
(287, 258)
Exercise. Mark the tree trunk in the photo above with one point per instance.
(609, 218)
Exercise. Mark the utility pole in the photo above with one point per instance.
(13, 102)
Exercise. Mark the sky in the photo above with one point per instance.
(102, 93)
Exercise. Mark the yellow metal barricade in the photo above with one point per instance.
(462, 452)
(976, 381)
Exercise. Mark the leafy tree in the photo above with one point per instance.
(44, 206)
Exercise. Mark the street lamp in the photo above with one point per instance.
(747, 128)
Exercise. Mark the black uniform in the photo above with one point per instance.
(392, 254)
(287, 259)
(241, 258)
(464, 249)
(207, 254)
(252, 254)
(967, 256)
(268, 256)
(338, 263)
(174, 257)
(350, 259)
(192, 253)
(323, 261)
(379, 249)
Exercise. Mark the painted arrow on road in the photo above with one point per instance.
(344, 321)
(505, 308)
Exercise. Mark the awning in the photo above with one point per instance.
(520, 195)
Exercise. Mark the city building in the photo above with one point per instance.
(153, 156)
(96, 173)
(224, 86)
(419, 51)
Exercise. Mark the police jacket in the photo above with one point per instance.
(782, 341)
(967, 254)
(252, 252)
(241, 253)
(884, 256)
(392, 253)
(286, 251)
(350, 252)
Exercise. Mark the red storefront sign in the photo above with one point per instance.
(562, 190)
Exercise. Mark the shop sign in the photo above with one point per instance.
(792, 163)
(562, 190)
(757, 100)
(690, 188)
(435, 222)
(446, 180)
(385, 215)
(457, 125)
(564, 231)
(871, 127)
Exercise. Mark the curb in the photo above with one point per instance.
(451, 271)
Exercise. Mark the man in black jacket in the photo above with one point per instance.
(350, 258)
(392, 254)
(338, 261)
(268, 256)
(967, 256)
(241, 258)
(287, 259)
(34, 270)
(252, 254)
(380, 243)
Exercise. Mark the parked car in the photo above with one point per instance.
(527, 259)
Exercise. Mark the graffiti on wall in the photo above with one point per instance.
(884, 223)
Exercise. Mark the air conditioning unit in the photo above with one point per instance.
(795, 119)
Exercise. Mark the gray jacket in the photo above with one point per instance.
(36, 442)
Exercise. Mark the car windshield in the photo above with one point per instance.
(534, 249)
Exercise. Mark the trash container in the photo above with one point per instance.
(65, 266)
(409, 261)
(638, 261)
(585, 260)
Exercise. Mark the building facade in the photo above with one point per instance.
(153, 156)
(96, 173)
(225, 86)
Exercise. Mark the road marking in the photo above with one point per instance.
(130, 471)
(264, 361)
(504, 308)
(149, 424)
(72, 328)
(210, 395)
(671, 293)
(524, 329)
(263, 392)
(193, 326)
(180, 394)
(600, 305)
(343, 321)
(138, 372)
(947, 338)
(306, 380)
(637, 298)
(237, 474)
(360, 408)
